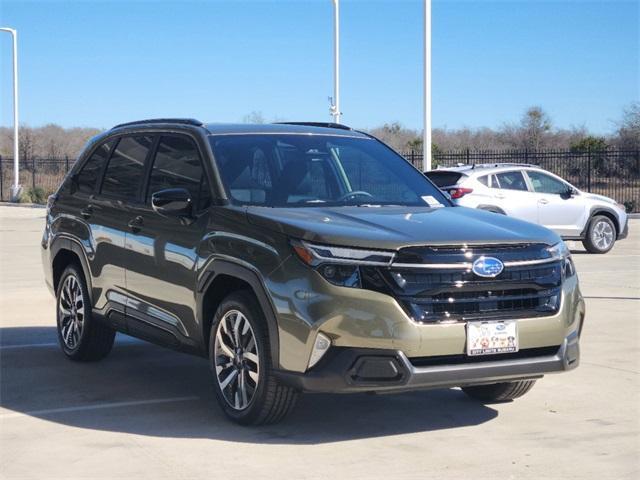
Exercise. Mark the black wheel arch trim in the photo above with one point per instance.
(598, 210)
(254, 279)
(67, 243)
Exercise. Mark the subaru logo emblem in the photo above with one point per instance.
(487, 267)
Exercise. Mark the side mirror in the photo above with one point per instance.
(569, 192)
(172, 202)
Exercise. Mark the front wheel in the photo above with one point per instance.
(240, 360)
(499, 392)
(601, 235)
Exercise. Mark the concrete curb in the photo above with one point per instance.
(26, 205)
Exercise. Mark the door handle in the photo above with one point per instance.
(87, 211)
(135, 224)
(500, 195)
(543, 201)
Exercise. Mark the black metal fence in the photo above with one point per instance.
(614, 173)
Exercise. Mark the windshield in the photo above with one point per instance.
(289, 170)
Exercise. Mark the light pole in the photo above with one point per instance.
(426, 135)
(334, 109)
(15, 188)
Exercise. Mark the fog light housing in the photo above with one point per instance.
(320, 347)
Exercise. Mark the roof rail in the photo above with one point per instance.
(183, 121)
(317, 124)
(503, 164)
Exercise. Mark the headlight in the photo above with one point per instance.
(560, 251)
(339, 265)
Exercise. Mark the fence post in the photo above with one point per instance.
(1, 181)
(589, 168)
(66, 164)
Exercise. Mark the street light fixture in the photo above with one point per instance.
(334, 109)
(15, 188)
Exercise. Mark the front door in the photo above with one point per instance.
(558, 210)
(163, 251)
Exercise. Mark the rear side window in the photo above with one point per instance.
(87, 178)
(443, 179)
(511, 181)
(123, 176)
(177, 165)
(484, 180)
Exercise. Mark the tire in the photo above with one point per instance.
(81, 337)
(499, 392)
(237, 321)
(601, 235)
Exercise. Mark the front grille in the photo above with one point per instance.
(443, 294)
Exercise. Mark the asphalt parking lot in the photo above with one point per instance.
(145, 412)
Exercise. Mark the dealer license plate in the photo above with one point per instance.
(490, 338)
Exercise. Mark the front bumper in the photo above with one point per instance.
(306, 304)
(624, 233)
(350, 370)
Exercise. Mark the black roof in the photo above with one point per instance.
(317, 128)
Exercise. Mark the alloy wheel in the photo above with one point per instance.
(71, 311)
(236, 362)
(602, 235)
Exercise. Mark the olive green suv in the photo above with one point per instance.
(301, 257)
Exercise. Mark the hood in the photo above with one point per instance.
(600, 198)
(392, 227)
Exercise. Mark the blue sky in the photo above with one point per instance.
(87, 63)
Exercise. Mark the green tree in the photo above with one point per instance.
(590, 142)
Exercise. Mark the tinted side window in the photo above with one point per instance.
(546, 184)
(177, 165)
(124, 171)
(87, 178)
(511, 181)
(484, 180)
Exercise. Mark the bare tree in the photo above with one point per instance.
(254, 117)
(628, 134)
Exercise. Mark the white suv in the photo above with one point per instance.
(533, 194)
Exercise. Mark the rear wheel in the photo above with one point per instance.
(499, 392)
(81, 337)
(601, 235)
(240, 360)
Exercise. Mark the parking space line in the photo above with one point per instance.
(99, 406)
(28, 345)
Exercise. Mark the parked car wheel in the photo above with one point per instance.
(81, 337)
(499, 392)
(240, 360)
(601, 235)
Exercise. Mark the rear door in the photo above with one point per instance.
(162, 251)
(107, 214)
(512, 195)
(557, 209)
